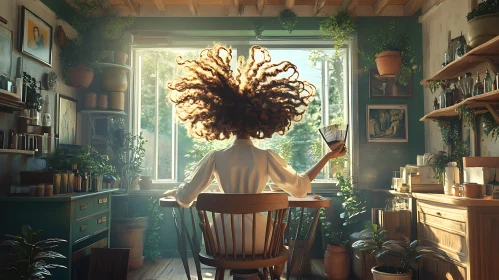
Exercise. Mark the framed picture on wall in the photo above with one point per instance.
(387, 123)
(388, 87)
(66, 119)
(35, 37)
(5, 51)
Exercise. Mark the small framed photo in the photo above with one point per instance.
(387, 123)
(5, 51)
(388, 87)
(35, 37)
(66, 119)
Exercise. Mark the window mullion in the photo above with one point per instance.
(156, 122)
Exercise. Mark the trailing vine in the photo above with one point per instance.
(258, 29)
(434, 85)
(339, 28)
(490, 127)
(468, 115)
(288, 20)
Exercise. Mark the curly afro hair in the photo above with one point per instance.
(261, 98)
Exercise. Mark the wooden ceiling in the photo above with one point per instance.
(248, 8)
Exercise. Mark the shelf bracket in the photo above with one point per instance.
(493, 112)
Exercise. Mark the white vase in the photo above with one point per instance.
(451, 176)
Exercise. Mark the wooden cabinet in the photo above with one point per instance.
(466, 231)
(83, 219)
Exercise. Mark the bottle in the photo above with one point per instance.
(77, 181)
(451, 176)
(478, 87)
(436, 106)
(84, 182)
(19, 80)
(468, 85)
(487, 82)
(10, 142)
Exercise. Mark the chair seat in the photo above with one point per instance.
(248, 263)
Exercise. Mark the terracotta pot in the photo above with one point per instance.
(388, 63)
(120, 57)
(145, 182)
(336, 263)
(102, 101)
(91, 100)
(116, 101)
(114, 79)
(80, 76)
(135, 183)
(378, 275)
(480, 29)
(129, 233)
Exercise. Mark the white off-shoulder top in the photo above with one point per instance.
(242, 168)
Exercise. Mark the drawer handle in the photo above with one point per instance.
(83, 228)
(83, 206)
(102, 220)
(103, 200)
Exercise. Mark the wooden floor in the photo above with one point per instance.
(172, 269)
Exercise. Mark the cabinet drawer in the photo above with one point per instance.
(437, 269)
(452, 243)
(101, 203)
(82, 229)
(438, 210)
(84, 208)
(101, 222)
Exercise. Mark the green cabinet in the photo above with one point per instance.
(83, 219)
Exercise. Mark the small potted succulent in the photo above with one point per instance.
(481, 21)
(407, 252)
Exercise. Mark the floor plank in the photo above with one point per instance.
(172, 269)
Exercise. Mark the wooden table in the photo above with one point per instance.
(301, 204)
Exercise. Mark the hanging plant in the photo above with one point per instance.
(490, 127)
(434, 85)
(288, 20)
(258, 29)
(468, 115)
(339, 28)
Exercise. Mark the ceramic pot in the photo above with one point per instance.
(80, 76)
(388, 63)
(145, 182)
(117, 101)
(114, 79)
(129, 233)
(120, 57)
(480, 29)
(102, 101)
(336, 263)
(91, 100)
(379, 275)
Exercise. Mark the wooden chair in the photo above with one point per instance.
(109, 264)
(274, 253)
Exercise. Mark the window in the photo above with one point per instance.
(171, 153)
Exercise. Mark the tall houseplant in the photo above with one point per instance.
(128, 156)
(390, 50)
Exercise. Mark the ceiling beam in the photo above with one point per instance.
(290, 4)
(160, 4)
(351, 6)
(412, 6)
(132, 6)
(319, 4)
(380, 6)
(193, 6)
(260, 5)
(239, 7)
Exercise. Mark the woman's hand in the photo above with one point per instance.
(337, 151)
(171, 193)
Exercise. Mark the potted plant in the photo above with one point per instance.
(339, 28)
(353, 202)
(288, 20)
(480, 22)
(34, 100)
(406, 252)
(76, 64)
(128, 156)
(336, 259)
(391, 52)
(28, 257)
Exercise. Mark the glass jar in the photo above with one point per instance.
(487, 82)
(449, 97)
(468, 85)
(56, 181)
(478, 87)
(443, 100)
(64, 182)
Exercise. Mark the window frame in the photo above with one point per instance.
(243, 46)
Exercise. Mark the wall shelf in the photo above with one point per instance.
(10, 101)
(17, 152)
(111, 65)
(102, 112)
(485, 56)
(484, 101)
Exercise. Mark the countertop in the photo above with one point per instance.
(446, 199)
(55, 198)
